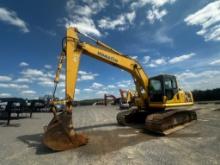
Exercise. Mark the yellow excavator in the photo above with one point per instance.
(127, 98)
(155, 95)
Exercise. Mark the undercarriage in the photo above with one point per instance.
(163, 122)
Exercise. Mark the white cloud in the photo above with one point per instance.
(84, 25)
(37, 76)
(120, 23)
(156, 62)
(199, 80)
(86, 77)
(130, 16)
(125, 84)
(49, 83)
(101, 92)
(14, 86)
(152, 65)
(208, 18)
(61, 84)
(80, 15)
(160, 61)
(107, 23)
(160, 3)
(134, 57)
(77, 91)
(62, 77)
(215, 62)
(122, 86)
(5, 78)
(82, 72)
(96, 85)
(111, 86)
(207, 74)
(156, 3)
(28, 92)
(11, 18)
(163, 61)
(88, 90)
(146, 59)
(161, 36)
(155, 14)
(23, 64)
(47, 66)
(45, 81)
(32, 73)
(181, 58)
(83, 75)
(23, 80)
(5, 95)
(98, 89)
(86, 8)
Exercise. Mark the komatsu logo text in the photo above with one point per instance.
(108, 57)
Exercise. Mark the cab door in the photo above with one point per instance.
(170, 87)
(156, 90)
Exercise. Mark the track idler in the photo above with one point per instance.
(60, 135)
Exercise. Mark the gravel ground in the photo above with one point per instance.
(109, 143)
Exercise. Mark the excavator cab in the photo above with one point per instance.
(164, 92)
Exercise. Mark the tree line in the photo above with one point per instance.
(206, 95)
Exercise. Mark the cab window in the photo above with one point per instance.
(155, 85)
(170, 84)
(156, 91)
(174, 84)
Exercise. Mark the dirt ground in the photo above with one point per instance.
(109, 143)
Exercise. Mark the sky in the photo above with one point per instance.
(166, 36)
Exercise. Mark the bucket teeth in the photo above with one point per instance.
(59, 134)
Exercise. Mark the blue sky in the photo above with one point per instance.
(166, 36)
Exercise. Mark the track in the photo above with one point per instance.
(112, 144)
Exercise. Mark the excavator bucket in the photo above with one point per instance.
(60, 135)
(170, 121)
